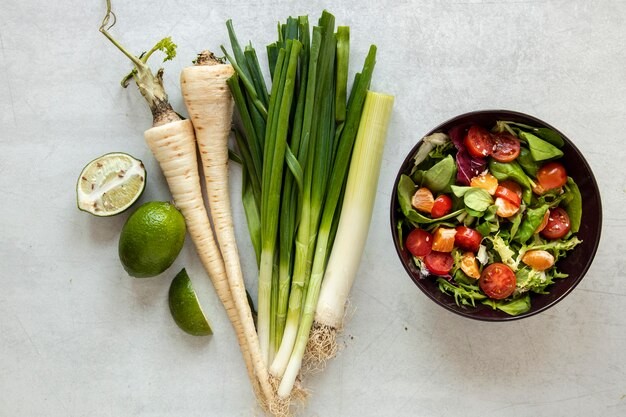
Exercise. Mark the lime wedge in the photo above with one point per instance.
(185, 307)
(110, 184)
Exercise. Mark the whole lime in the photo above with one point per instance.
(151, 239)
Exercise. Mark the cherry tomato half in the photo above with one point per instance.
(467, 238)
(439, 263)
(506, 147)
(508, 194)
(513, 186)
(497, 281)
(478, 141)
(558, 224)
(441, 206)
(419, 242)
(552, 175)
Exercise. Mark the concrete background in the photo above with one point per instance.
(78, 337)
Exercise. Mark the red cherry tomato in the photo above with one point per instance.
(552, 175)
(439, 263)
(467, 239)
(558, 224)
(478, 141)
(505, 147)
(497, 281)
(441, 207)
(508, 194)
(513, 186)
(419, 242)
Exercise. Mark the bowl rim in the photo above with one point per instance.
(505, 317)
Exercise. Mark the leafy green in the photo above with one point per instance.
(573, 204)
(529, 279)
(540, 149)
(406, 188)
(558, 247)
(459, 190)
(464, 294)
(534, 217)
(428, 144)
(512, 171)
(477, 199)
(440, 176)
(544, 133)
(511, 307)
(166, 46)
(504, 251)
(526, 161)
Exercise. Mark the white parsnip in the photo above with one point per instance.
(210, 107)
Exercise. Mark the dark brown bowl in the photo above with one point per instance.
(575, 264)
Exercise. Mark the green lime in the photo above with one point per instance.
(151, 239)
(110, 184)
(185, 307)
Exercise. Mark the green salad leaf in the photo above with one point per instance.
(440, 176)
(513, 307)
(533, 219)
(406, 189)
(573, 204)
(526, 161)
(540, 149)
(512, 171)
(477, 199)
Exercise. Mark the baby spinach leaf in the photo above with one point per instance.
(540, 149)
(573, 204)
(544, 133)
(534, 217)
(440, 176)
(406, 189)
(515, 224)
(477, 199)
(511, 171)
(513, 307)
(528, 164)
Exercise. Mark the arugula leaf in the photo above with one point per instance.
(464, 294)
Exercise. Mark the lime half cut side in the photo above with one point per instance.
(110, 184)
(185, 307)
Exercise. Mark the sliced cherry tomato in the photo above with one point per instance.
(508, 194)
(513, 186)
(506, 147)
(505, 208)
(441, 206)
(419, 242)
(443, 240)
(497, 281)
(467, 238)
(439, 263)
(558, 224)
(552, 175)
(478, 141)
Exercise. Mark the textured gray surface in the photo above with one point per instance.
(80, 338)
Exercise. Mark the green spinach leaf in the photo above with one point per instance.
(512, 171)
(534, 217)
(573, 204)
(540, 149)
(440, 176)
(528, 164)
(513, 307)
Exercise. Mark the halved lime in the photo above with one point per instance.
(185, 307)
(110, 184)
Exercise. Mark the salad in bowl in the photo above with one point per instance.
(486, 212)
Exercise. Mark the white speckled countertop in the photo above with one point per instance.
(80, 338)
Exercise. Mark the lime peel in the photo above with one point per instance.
(185, 306)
